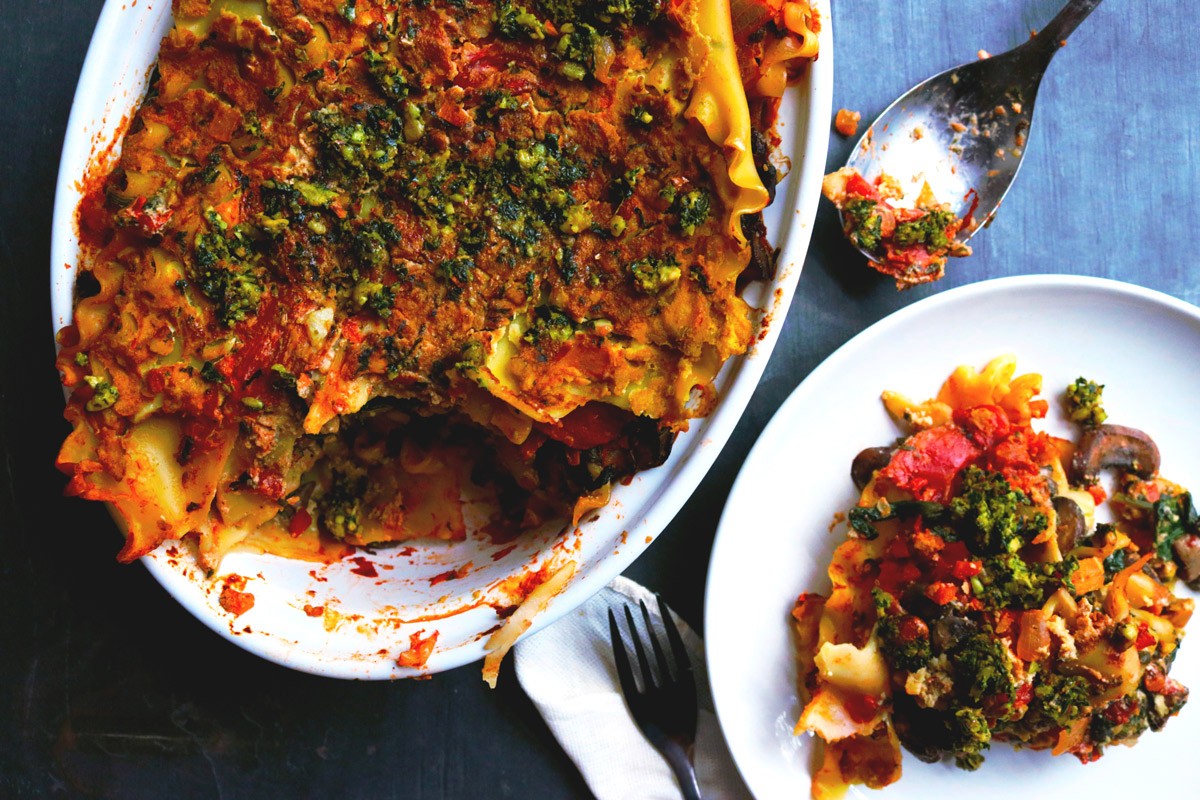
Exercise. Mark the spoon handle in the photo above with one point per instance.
(1055, 34)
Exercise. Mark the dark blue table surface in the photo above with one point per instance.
(109, 689)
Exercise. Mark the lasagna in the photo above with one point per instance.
(357, 259)
(910, 244)
(979, 598)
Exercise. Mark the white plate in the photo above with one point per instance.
(379, 614)
(774, 539)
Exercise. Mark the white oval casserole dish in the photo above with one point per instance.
(360, 623)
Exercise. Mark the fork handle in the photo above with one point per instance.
(681, 764)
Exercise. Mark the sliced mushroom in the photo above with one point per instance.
(922, 731)
(767, 172)
(1071, 526)
(762, 257)
(1051, 484)
(649, 444)
(866, 463)
(1187, 553)
(949, 630)
(1113, 446)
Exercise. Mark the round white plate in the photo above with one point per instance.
(369, 619)
(775, 538)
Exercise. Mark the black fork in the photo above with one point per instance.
(664, 711)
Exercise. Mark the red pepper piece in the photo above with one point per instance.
(893, 575)
(965, 569)
(259, 350)
(861, 707)
(941, 592)
(300, 522)
(589, 425)
(1144, 639)
(857, 186)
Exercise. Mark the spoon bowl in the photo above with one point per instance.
(965, 130)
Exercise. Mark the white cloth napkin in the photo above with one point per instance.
(568, 671)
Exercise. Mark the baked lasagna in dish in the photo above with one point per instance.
(357, 258)
(981, 597)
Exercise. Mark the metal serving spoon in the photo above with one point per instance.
(966, 128)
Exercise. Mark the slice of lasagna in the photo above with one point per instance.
(977, 597)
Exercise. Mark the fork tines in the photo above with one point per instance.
(667, 707)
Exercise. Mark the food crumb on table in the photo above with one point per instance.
(846, 122)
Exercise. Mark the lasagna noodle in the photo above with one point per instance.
(854, 750)
(641, 378)
(719, 104)
(154, 495)
(555, 580)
